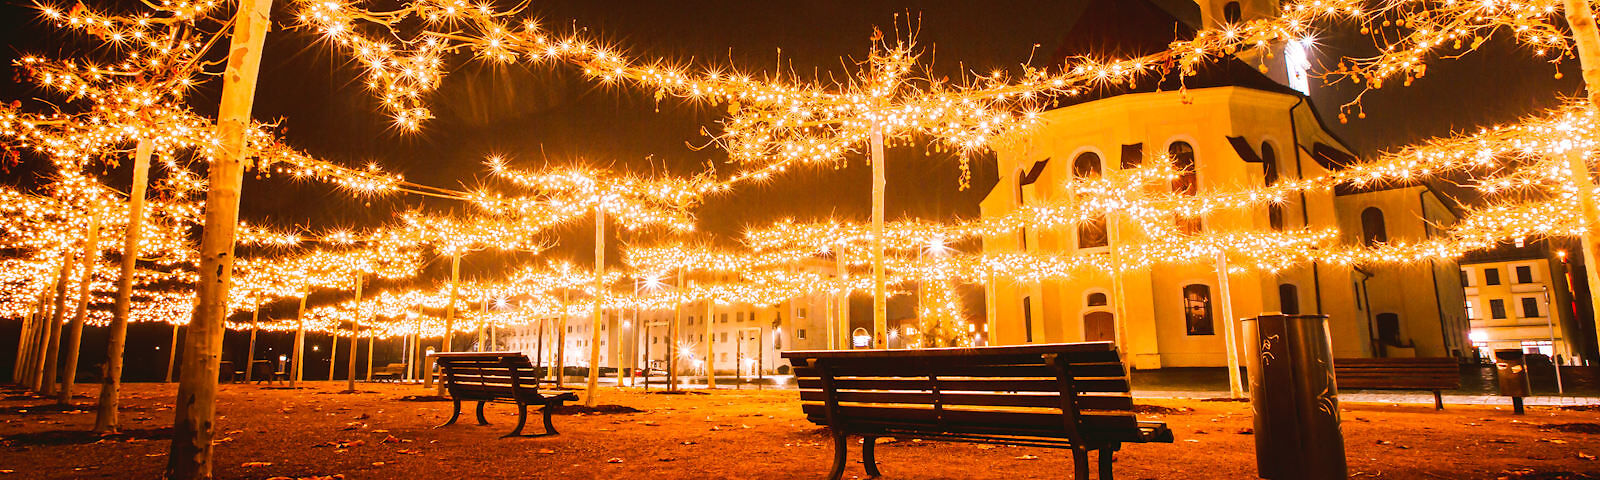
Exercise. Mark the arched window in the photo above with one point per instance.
(1197, 316)
(1231, 13)
(1373, 230)
(1186, 183)
(1087, 165)
(1096, 299)
(1269, 170)
(1289, 299)
(1092, 233)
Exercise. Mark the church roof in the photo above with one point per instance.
(1107, 29)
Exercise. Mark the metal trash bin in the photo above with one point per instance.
(1294, 398)
(1511, 368)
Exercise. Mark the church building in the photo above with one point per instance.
(1229, 126)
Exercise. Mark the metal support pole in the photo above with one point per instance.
(1549, 322)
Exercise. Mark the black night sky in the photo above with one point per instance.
(547, 114)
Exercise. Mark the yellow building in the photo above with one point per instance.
(1229, 126)
(1518, 297)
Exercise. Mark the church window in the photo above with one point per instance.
(1231, 13)
(1096, 299)
(1186, 183)
(1373, 230)
(1092, 233)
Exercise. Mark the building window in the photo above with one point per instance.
(1091, 233)
(724, 318)
(1096, 299)
(1289, 299)
(1491, 276)
(1231, 13)
(1187, 182)
(1497, 308)
(1269, 170)
(802, 314)
(1027, 318)
(1466, 278)
(1524, 274)
(738, 317)
(1197, 318)
(1373, 230)
(800, 334)
(1472, 311)
(1389, 329)
(691, 320)
(1530, 307)
(724, 337)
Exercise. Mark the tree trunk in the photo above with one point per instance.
(599, 302)
(69, 370)
(197, 388)
(880, 289)
(561, 341)
(710, 341)
(46, 383)
(355, 336)
(250, 354)
(172, 353)
(299, 341)
(106, 416)
(673, 338)
(1584, 32)
(449, 317)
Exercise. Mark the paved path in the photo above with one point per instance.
(1368, 396)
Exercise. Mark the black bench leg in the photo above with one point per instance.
(1438, 401)
(1080, 463)
(1106, 458)
(481, 420)
(522, 419)
(453, 415)
(547, 410)
(868, 460)
(839, 445)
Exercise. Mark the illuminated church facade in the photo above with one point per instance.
(1229, 126)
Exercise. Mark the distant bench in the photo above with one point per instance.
(497, 377)
(1399, 374)
(1068, 395)
(391, 372)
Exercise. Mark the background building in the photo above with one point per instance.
(1519, 296)
(1229, 125)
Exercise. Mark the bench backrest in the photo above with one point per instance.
(1074, 391)
(1417, 373)
(487, 374)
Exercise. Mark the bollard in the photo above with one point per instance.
(1294, 398)
(1512, 371)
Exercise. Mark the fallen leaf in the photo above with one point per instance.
(1585, 456)
(256, 464)
(614, 460)
(547, 451)
(1028, 457)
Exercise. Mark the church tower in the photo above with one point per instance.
(1287, 62)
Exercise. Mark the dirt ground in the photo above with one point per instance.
(374, 434)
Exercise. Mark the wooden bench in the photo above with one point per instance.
(496, 377)
(1399, 374)
(391, 372)
(1067, 395)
